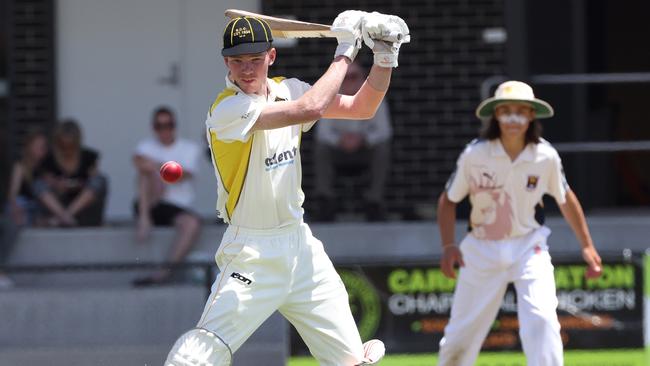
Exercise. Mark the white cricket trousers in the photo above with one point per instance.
(482, 282)
(288, 270)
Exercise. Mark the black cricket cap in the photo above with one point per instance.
(244, 35)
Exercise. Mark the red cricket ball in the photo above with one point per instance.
(590, 273)
(171, 172)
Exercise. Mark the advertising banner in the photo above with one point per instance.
(408, 306)
(646, 291)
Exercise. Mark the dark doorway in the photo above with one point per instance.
(588, 37)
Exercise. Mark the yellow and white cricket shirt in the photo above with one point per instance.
(505, 194)
(258, 174)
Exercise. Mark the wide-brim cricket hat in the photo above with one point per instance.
(514, 91)
(246, 35)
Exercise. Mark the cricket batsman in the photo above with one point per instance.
(505, 173)
(268, 258)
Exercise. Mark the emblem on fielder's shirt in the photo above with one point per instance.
(531, 184)
(492, 216)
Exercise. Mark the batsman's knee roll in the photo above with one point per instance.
(199, 347)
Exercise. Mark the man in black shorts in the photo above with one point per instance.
(163, 204)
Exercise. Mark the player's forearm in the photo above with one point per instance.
(372, 92)
(379, 78)
(310, 106)
(574, 215)
(365, 103)
(446, 220)
(321, 94)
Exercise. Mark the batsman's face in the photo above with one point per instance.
(514, 118)
(250, 71)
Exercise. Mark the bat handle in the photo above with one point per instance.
(396, 37)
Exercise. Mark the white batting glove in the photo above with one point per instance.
(384, 27)
(385, 53)
(347, 28)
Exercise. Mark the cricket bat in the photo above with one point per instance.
(289, 28)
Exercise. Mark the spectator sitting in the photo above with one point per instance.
(341, 144)
(164, 204)
(23, 204)
(70, 186)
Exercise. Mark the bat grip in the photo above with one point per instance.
(396, 37)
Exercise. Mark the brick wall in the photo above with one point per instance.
(433, 93)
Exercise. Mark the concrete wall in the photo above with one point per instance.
(345, 243)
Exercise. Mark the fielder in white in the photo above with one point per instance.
(268, 258)
(505, 174)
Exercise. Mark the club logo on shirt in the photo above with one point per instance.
(281, 159)
(531, 184)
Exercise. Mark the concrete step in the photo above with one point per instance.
(115, 326)
(250, 354)
(98, 316)
(343, 241)
(84, 356)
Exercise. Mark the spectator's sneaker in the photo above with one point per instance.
(373, 351)
(161, 278)
(5, 282)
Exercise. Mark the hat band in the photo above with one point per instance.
(510, 101)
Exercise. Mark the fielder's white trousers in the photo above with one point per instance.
(288, 270)
(489, 267)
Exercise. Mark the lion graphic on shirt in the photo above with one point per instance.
(492, 215)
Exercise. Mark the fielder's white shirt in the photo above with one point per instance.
(184, 152)
(505, 193)
(258, 174)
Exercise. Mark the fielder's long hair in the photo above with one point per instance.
(492, 131)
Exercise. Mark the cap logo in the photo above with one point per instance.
(241, 32)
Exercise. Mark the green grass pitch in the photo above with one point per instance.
(622, 357)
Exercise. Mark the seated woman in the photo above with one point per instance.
(71, 187)
(23, 205)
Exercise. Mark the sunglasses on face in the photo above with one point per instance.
(164, 126)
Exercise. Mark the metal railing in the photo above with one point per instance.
(208, 268)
